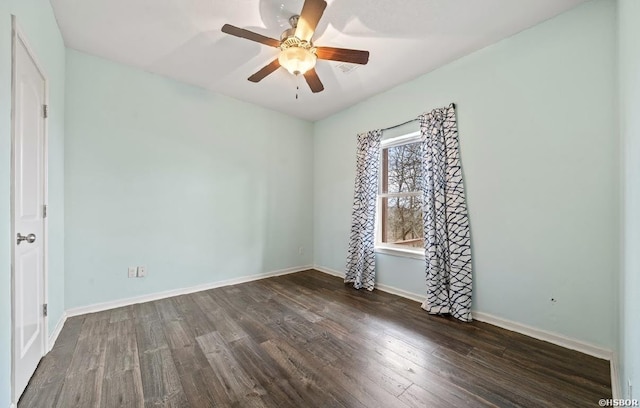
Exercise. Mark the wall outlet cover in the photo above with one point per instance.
(132, 272)
(142, 271)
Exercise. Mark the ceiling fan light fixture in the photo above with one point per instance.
(297, 60)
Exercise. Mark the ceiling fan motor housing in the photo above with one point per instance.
(290, 32)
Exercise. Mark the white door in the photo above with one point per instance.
(28, 218)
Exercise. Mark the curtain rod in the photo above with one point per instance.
(401, 124)
(409, 121)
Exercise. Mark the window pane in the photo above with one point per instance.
(402, 221)
(401, 168)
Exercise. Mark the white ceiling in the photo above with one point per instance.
(181, 39)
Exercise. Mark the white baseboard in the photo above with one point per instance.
(557, 339)
(399, 292)
(56, 332)
(379, 286)
(616, 388)
(99, 307)
(539, 334)
(329, 271)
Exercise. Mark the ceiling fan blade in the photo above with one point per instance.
(310, 15)
(343, 54)
(314, 82)
(266, 70)
(250, 35)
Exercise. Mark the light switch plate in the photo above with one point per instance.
(132, 272)
(142, 271)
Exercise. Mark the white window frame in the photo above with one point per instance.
(383, 247)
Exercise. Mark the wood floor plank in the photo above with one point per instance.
(303, 340)
(160, 380)
(83, 381)
(286, 299)
(438, 396)
(418, 397)
(122, 382)
(508, 388)
(195, 373)
(532, 381)
(265, 371)
(550, 359)
(358, 383)
(222, 314)
(238, 385)
(120, 314)
(306, 376)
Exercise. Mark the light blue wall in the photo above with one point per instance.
(36, 19)
(539, 146)
(629, 54)
(196, 186)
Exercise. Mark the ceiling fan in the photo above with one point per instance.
(297, 52)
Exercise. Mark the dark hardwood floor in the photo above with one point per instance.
(303, 340)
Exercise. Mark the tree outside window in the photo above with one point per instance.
(400, 200)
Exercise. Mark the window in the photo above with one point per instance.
(400, 229)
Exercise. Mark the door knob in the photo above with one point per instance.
(31, 238)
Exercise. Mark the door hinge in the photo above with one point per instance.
(45, 111)
(44, 211)
(45, 310)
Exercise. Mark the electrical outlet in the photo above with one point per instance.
(142, 271)
(132, 272)
(300, 250)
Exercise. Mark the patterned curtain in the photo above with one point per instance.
(446, 224)
(361, 257)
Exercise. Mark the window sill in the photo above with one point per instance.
(405, 253)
